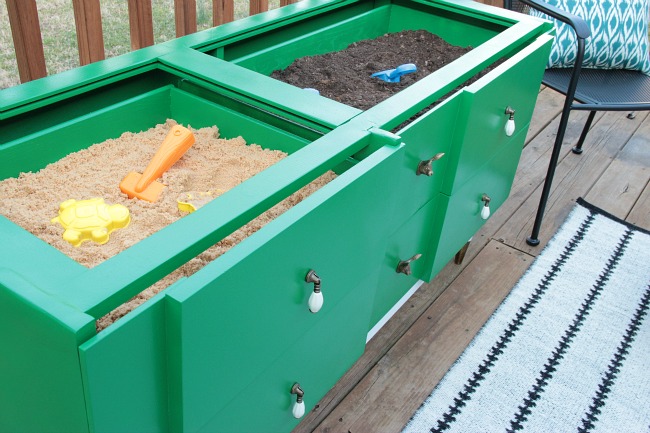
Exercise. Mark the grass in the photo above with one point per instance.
(60, 40)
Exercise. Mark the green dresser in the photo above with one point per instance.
(235, 347)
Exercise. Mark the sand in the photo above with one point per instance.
(211, 164)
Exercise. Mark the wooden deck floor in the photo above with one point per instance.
(411, 353)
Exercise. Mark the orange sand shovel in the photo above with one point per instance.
(144, 186)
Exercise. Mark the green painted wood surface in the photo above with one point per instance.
(289, 122)
(240, 313)
(34, 151)
(125, 373)
(457, 25)
(412, 238)
(197, 112)
(279, 98)
(480, 132)
(429, 135)
(316, 361)
(29, 256)
(39, 368)
(459, 216)
(79, 102)
(326, 33)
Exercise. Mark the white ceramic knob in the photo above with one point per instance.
(315, 301)
(510, 127)
(510, 123)
(485, 212)
(298, 409)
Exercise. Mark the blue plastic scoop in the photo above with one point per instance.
(394, 75)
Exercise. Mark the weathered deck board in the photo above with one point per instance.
(408, 357)
(640, 214)
(548, 107)
(626, 177)
(574, 175)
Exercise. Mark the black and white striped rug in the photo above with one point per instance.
(567, 350)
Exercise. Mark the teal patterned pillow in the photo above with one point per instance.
(619, 34)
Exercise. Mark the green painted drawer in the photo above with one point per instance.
(426, 138)
(125, 376)
(442, 226)
(465, 131)
(125, 371)
(480, 131)
(240, 315)
(316, 361)
(459, 216)
(410, 239)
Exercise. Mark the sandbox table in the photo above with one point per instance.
(222, 349)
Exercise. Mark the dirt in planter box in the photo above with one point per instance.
(211, 164)
(345, 76)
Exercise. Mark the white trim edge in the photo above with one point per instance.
(393, 310)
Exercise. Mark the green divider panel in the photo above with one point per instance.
(193, 110)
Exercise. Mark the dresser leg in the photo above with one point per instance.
(460, 255)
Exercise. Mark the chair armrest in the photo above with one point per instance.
(578, 24)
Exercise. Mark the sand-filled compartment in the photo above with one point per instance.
(211, 164)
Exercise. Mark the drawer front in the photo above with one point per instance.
(124, 370)
(459, 216)
(427, 142)
(411, 239)
(238, 315)
(481, 128)
(316, 361)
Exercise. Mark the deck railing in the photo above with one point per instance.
(28, 43)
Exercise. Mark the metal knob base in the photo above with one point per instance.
(404, 266)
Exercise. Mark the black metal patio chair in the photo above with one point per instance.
(585, 89)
